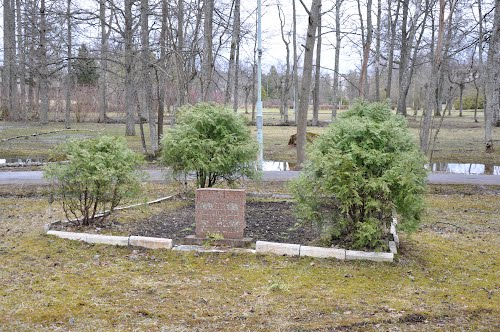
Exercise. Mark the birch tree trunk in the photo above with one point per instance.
(377, 51)
(306, 80)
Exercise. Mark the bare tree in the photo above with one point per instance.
(103, 62)
(207, 62)
(312, 27)
(129, 88)
(492, 83)
(393, 21)
(367, 43)
(338, 4)
(317, 76)
(69, 77)
(43, 66)
(285, 81)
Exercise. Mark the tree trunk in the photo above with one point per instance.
(392, 24)
(335, 93)
(69, 81)
(103, 64)
(306, 80)
(129, 89)
(22, 65)
(492, 84)
(207, 62)
(295, 65)
(367, 42)
(432, 85)
(147, 95)
(317, 77)
(44, 71)
(377, 51)
(285, 81)
(235, 39)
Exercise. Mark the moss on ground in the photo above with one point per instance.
(445, 278)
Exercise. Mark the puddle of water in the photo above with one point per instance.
(270, 165)
(456, 168)
(21, 160)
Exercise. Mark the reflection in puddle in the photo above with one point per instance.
(487, 169)
(21, 161)
(454, 168)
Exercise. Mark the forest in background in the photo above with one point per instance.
(140, 60)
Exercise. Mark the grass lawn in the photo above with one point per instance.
(460, 140)
(446, 278)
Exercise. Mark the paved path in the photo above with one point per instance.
(36, 177)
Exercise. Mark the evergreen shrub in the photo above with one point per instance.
(99, 174)
(212, 142)
(362, 168)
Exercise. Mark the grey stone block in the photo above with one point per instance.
(320, 252)
(107, 239)
(392, 247)
(69, 235)
(393, 229)
(264, 247)
(150, 242)
(371, 256)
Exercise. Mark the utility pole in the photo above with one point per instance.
(259, 120)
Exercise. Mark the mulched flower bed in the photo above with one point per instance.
(266, 221)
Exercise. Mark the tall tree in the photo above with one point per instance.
(207, 62)
(492, 83)
(317, 76)
(43, 66)
(69, 77)
(103, 63)
(367, 43)
(393, 21)
(295, 64)
(129, 88)
(233, 65)
(312, 27)
(338, 4)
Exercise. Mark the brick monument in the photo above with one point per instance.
(220, 217)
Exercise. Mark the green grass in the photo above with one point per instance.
(445, 278)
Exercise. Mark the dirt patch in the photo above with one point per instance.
(266, 221)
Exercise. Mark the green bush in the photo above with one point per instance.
(100, 173)
(469, 102)
(212, 142)
(362, 168)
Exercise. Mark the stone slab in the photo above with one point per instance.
(220, 211)
(320, 252)
(236, 243)
(393, 229)
(69, 235)
(264, 247)
(371, 256)
(150, 242)
(107, 239)
(393, 248)
(396, 239)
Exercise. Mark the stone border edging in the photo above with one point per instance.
(136, 241)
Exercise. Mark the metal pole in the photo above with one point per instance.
(260, 140)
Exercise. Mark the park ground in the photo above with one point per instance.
(446, 276)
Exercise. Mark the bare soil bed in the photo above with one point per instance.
(266, 221)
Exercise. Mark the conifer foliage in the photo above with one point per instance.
(365, 166)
